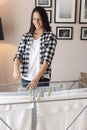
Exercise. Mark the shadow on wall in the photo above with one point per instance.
(7, 52)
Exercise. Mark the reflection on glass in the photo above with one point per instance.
(64, 33)
(43, 2)
(65, 9)
(85, 33)
(85, 9)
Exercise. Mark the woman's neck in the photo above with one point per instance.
(39, 31)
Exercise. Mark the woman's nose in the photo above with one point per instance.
(37, 20)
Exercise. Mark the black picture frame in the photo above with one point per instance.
(49, 13)
(64, 33)
(83, 12)
(83, 35)
(43, 3)
(65, 13)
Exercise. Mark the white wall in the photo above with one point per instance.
(70, 57)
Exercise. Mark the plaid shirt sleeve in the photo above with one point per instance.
(50, 49)
(21, 48)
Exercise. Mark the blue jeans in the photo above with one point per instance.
(42, 82)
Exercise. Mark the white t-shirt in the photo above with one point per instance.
(34, 64)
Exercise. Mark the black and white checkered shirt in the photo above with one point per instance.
(48, 43)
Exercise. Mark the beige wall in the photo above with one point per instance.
(70, 57)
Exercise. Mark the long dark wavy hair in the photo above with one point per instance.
(44, 18)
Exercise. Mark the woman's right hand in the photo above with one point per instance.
(16, 75)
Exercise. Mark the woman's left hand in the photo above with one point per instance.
(32, 84)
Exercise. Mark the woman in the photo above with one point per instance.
(35, 52)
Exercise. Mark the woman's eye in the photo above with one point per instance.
(38, 19)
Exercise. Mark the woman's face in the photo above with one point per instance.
(37, 21)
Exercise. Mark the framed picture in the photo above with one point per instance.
(49, 13)
(65, 11)
(64, 33)
(83, 33)
(44, 3)
(83, 11)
